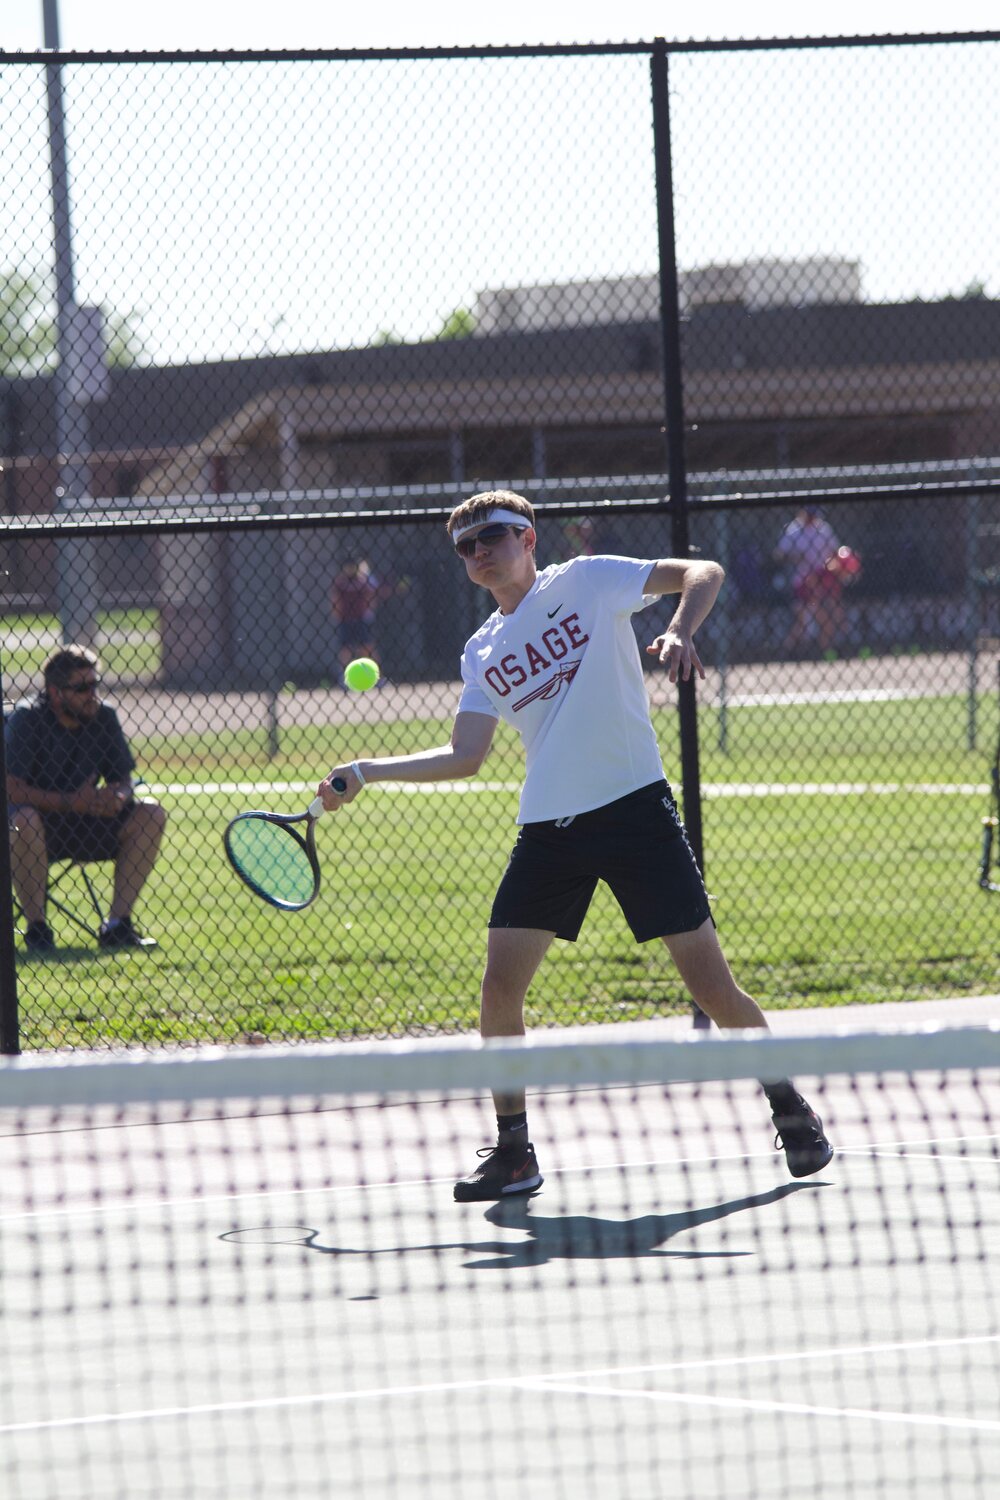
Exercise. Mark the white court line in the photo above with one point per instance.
(931, 1140)
(889, 1149)
(837, 695)
(567, 1384)
(123, 1205)
(126, 1205)
(459, 788)
(903, 1149)
(887, 1155)
(841, 789)
(260, 1403)
(308, 788)
(796, 1408)
(782, 1356)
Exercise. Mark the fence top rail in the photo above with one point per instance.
(710, 483)
(648, 47)
(188, 514)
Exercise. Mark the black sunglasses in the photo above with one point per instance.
(82, 687)
(489, 534)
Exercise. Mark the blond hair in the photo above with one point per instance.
(476, 510)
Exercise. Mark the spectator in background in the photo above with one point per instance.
(353, 600)
(70, 796)
(805, 549)
(748, 575)
(578, 535)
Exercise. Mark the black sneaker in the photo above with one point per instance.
(505, 1169)
(122, 934)
(38, 938)
(800, 1133)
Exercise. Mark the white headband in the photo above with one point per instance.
(495, 518)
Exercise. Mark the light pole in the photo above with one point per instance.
(77, 558)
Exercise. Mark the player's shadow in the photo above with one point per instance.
(586, 1237)
(550, 1237)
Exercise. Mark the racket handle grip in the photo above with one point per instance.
(316, 808)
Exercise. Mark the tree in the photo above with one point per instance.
(28, 328)
(457, 325)
(124, 342)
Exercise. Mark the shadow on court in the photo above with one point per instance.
(551, 1237)
(586, 1237)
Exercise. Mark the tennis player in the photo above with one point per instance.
(558, 660)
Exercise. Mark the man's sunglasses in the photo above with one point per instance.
(90, 686)
(489, 534)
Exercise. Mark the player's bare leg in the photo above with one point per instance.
(513, 956)
(702, 965)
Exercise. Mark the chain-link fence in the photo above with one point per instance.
(751, 289)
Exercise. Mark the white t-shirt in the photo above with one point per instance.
(564, 669)
(807, 546)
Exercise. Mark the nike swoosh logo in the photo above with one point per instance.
(555, 611)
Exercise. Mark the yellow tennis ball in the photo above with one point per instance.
(361, 674)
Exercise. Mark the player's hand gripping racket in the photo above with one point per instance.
(273, 858)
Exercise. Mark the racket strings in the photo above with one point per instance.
(273, 859)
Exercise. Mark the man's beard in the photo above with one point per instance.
(81, 716)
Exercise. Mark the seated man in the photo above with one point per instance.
(69, 795)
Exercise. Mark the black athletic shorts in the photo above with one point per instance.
(637, 845)
(81, 835)
(356, 632)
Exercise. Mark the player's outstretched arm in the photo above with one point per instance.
(698, 584)
(471, 738)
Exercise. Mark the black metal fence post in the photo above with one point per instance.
(10, 1029)
(673, 401)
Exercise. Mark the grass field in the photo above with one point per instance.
(127, 639)
(827, 896)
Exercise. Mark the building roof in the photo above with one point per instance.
(154, 407)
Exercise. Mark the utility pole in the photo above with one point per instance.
(77, 558)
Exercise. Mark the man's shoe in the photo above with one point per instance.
(121, 934)
(504, 1170)
(800, 1132)
(38, 938)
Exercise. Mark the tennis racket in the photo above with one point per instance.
(275, 859)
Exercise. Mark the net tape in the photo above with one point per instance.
(555, 1059)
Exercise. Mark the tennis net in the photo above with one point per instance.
(243, 1273)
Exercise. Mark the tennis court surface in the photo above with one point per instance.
(243, 1274)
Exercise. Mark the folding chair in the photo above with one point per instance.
(72, 892)
(60, 895)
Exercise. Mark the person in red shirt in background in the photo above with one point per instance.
(820, 568)
(353, 600)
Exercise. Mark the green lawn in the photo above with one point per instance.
(127, 639)
(821, 899)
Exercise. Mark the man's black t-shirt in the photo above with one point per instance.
(54, 759)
